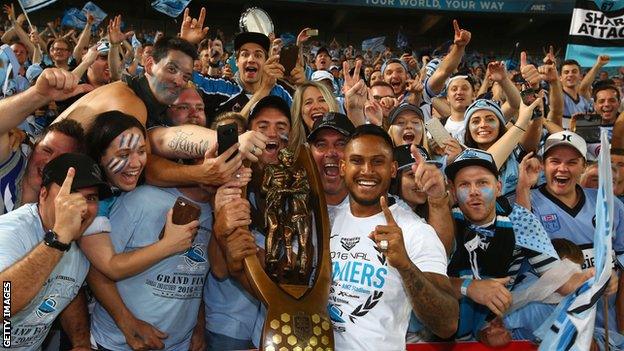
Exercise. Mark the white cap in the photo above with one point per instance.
(319, 75)
(567, 138)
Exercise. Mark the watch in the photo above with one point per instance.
(51, 239)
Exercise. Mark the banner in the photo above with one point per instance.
(545, 7)
(571, 325)
(32, 5)
(172, 8)
(98, 14)
(374, 44)
(597, 28)
(76, 18)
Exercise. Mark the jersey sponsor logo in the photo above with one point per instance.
(550, 222)
(349, 243)
(47, 306)
(335, 314)
(195, 256)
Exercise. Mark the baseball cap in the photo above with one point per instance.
(402, 108)
(322, 49)
(320, 74)
(566, 138)
(334, 120)
(471, 157)
(403, 156)
(331, 68)
(87, 174)
(394, 60)
(484, 104)
(252, 37)
(103, 47)
(269, 101)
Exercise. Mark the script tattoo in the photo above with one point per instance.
(181, 144)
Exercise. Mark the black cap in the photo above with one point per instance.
(402, 108)
(269, 101)
(404, 158)
(334, 120)
(87, 174)
(471, 157)
(252, 37)
(322, 49)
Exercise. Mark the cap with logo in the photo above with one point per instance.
(333, 120)
(566, 138)
(252, 37)
(471, 157)
(269, 101)
(87, 174)
(321, 74)
(402, 108)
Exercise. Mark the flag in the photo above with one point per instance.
(98, 14)
(172, 8)
(135, 41)
(571, 325)
(73, 17)
(596, 29)
(401, 41)
(32, 5)
(374, 44)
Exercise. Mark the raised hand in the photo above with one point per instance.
(271, 72)
(392, 234)
(217, 170)
(550, 58)
(252, 144)
(192, 29)
(10, 11)
(462, 36)
(303, 36)
(115, 35)
(374, 112)
(69, 209)
(179, 238)
(491, 293)
(528, 71)
(351, 80)
(428, 178)
(602, 60)
(529, 171)
(58, 84)
(497, 71)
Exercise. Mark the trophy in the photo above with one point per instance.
(295, 283)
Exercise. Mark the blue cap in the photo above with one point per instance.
(471, 157)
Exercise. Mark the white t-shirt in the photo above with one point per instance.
(368, 304)
(456, 128)
(20, 232)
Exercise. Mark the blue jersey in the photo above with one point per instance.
(572, 106)
(577, 224)
(11, 173)
(168, 294)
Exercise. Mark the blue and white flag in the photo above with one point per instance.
(596, 29)
(135, 41)
(74, 17)
(374, 44)
(172, 8)
(98, 14)
(571, 325)
(32, 5)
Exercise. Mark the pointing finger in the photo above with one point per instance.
(456, 26)
(383, 201)
(67, 183)
(523, 59)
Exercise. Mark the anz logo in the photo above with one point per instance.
(195, 256)
(47, 306)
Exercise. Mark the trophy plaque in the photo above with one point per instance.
(295, 283)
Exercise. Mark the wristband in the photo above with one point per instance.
(464, 287)
(522, 129)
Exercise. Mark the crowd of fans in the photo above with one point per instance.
(460, 190)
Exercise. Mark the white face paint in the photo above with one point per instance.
(128, 140)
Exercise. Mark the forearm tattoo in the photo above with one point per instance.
(181, 144)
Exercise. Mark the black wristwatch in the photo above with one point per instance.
(51, 239)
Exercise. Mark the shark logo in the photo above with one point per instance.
(47, 306)
(349, 243)
(194, 256)
(335, 314)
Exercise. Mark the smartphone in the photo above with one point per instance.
(312, 32)
(184, 212)
(588, 127)
(437, 131)
(528, 96)
(289, 55)
(227, 135)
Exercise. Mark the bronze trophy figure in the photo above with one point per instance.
(295, 284)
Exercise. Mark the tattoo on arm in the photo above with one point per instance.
(433, 306)
(182, 144)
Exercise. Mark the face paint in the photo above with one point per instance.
(129, 141)
(116, 164)
(463, 194)
(487, 193)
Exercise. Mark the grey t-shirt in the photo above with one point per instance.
(20, 232)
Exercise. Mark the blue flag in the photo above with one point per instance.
(596, 29)
(98, 14)
(374, 44)
(571, 325)
(32, 5)
(172, 8)
(74, 17)
(135, 41)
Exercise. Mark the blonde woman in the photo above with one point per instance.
(311, 101)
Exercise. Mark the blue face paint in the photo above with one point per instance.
(463, 194)
(487, 193)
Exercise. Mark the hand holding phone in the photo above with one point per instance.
(439, 134)
(227, 135)
(289, 55)
(183, 213)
